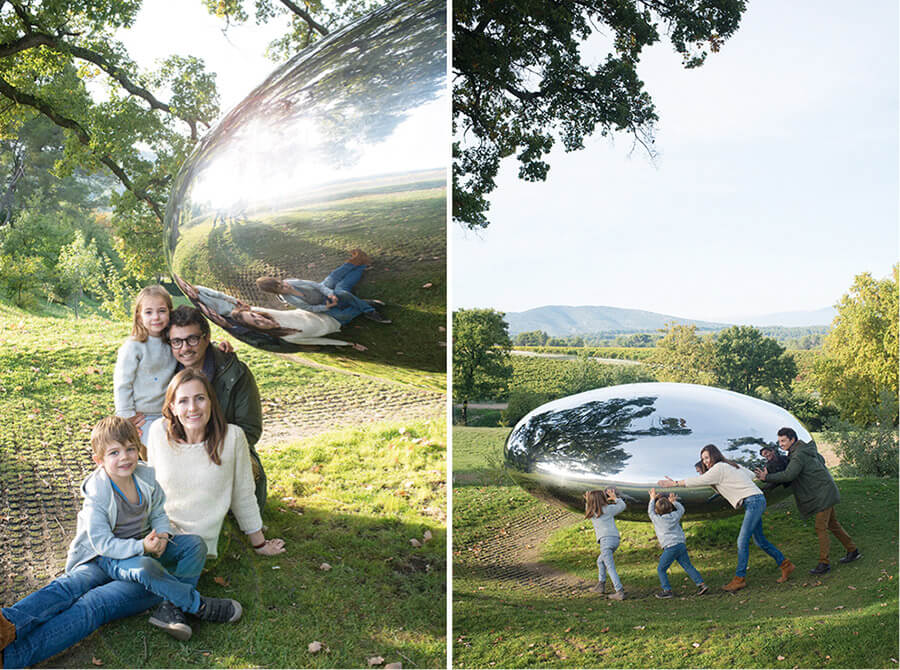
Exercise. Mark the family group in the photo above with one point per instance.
(803, 470)
(175, 459)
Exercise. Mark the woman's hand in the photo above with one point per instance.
(667, 482)
(271, 547)
(226, 346)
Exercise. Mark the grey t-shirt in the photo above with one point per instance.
(131, 518)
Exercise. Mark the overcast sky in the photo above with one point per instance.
(776, 183)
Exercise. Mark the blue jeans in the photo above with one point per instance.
(185, 554)
(605, 562)
(54, 618)
(677, 552)
(754, 506)
(341, 281)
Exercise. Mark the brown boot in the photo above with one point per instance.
(7, 632)
(736, 584)
(618, 595)
(786, 569)
(359, 257)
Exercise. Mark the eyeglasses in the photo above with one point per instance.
(191, 340)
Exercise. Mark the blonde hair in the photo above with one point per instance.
(215, 427)
(138, 331)
(663, 505)
(594, 502)
(114, 429)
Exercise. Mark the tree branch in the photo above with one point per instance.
(303, 14)
(84, 138)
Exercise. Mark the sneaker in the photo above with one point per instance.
(701, 589)
(599, 587)
(851, 556)
(375, 316)
(219, 610)
(820, 569)
(618, 595)
(375, 303)
(664, 594)
(171, 619)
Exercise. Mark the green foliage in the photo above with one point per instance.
(78, 271)
(20, 276)
(871, 450)
(481, 347)
(532, 338)
(520, 84)
(622, 353)
(860, 361)
(745, 360)
(522, 401)
(116, 291)
(683, 356)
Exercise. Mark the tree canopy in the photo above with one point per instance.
(860, 362)
(481, 367)
(521, 84)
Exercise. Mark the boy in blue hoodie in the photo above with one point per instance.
(666, 513)
(123, 533)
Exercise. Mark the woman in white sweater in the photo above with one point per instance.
(735, 483)
(203, 465)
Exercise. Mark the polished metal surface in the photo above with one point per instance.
(342, 148)
(633, 435)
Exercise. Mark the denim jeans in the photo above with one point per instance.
(754, 506)
(54, 618)
(605, 562)
(677, 552)
(185, 554)
(341, 281)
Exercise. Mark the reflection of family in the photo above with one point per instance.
(804, 469)
(145, 530)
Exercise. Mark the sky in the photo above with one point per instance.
(775, 185)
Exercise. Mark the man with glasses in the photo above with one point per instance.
(231, 379)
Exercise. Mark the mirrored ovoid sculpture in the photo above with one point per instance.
(314, 213)
(633, 435)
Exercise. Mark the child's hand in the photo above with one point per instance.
(672, 498)
(652, 494)
(226, 346)
(152, 543)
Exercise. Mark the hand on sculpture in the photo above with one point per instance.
(667, 482)
(271, 547)
(672, 498)
(652, 494)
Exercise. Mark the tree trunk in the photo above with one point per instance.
(465, 414)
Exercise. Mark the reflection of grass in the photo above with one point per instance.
(404, 233)
(847, 618)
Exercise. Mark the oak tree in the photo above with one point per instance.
(481, 367)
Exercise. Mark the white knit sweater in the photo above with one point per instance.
(733, 484)
(198, 492)
(143, 370)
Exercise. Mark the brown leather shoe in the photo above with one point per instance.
(786, 569)
(618, 595)
(7, 632)
(736, 584)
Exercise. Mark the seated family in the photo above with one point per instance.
(814, 490)
(145, 530)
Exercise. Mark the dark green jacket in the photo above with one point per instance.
(238, 394)
(814, 489)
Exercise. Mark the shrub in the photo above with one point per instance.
(520, 403)
(871, 450)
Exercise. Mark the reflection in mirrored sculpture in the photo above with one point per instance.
(314, 213)
(633, 435)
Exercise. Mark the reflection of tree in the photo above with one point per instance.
(745, 450)
(587, 438)
(352, 89)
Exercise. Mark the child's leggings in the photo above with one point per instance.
(605, 562)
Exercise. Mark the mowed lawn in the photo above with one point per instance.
(847, 618)
(347, 504)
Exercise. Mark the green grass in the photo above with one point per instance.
(352, 498)
(847, 618)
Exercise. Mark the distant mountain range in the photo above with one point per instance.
(563, 320)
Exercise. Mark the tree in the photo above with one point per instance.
(520, 83)
(860, 360)
(532, 338)
(683, 356)
(481, 367)
(744, 360)
(79, 271)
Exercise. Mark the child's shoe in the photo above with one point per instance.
(376, 316)
(219, 610)
(7, 632)
(599, 587)
(665, 593)
(171, 619)
(618, 595)
(701, 589)
(736, 584)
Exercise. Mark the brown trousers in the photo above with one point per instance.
(826, 520)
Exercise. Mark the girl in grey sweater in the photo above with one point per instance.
(601, 507)
(666, 513)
